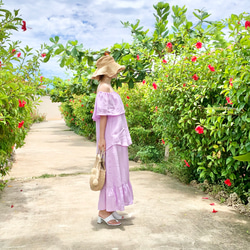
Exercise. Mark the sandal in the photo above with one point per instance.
(109, 218)
(117, 216)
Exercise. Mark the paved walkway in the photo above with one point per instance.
(60, 212)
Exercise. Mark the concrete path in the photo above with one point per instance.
(51, 110)
(60, 212)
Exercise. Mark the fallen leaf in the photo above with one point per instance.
(214, 211)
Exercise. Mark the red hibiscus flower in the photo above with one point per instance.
(195, 77)
(247, 24)
(43, 54)
(72, 119)
(21, 103)
(19, 54)
(138, 58)
(41, 78)
(82, 105)
(211, 204)
(127, 105)
(164, 61)
(231, 82)
(154, 85)
(199, 130)
(91, 111)
(228, 100)
(193, 58)
(184, 84)
(214, 211)
(198, 45)
(211, 68)
(20, 124)
(228, 182)
(128, 97)
(24, 26)
(186, 163)
(143, 82)
(13, 51)
(169, 45)
(163, 142)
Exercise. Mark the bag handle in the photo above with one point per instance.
(102, 156)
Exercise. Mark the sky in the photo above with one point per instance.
(97, 23)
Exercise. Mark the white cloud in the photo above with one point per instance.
(96, 23)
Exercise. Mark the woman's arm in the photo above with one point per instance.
(103, 121)
(102, 143)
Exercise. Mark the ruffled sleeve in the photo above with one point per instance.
(109, 104)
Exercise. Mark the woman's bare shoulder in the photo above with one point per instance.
(104, 87)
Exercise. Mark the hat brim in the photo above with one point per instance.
(108, 70)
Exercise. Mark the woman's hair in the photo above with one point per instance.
(101, 77)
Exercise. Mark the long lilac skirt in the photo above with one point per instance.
(117, 191)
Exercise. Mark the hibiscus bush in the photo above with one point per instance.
(78, 113)
(147, 144)
(19, 85)
(203, 101)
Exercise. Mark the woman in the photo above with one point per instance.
(112, 136)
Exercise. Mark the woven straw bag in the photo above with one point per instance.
(97, 177)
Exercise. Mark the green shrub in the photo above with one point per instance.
(19, 86)
(150, 154)
(78, 113)
(218, 101)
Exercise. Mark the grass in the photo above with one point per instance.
(45, 176)
(171, 167)
(36, 117)
(72, 174)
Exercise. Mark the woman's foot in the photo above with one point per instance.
(117, 216)
(103, 214)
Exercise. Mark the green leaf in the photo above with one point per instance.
(63, 61)
(90, 61)
(131, 83)
(10, 27)
(57, 39)
(16, 12)
(46, 59)
(74, 52)
(52, 39)
(196, 15)
(59, 51)
(245, 157)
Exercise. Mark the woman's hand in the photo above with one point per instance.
(102, 144)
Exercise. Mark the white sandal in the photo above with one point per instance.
(117, 216)
(109, 218)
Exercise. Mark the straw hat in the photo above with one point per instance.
(106, 65)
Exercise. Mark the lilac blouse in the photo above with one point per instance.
(116, 132)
